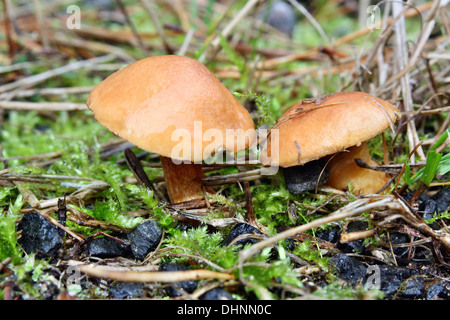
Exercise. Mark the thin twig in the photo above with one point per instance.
(38, 78)
(138, 171)
(213, 46)
(154, 17)
(47, 91)
(42, 106)
(132, 27)
(156, 276)
(311, 19)
(43, 31)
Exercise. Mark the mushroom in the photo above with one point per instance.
(321, 127)
(173, 106)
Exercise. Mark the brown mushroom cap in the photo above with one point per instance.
(344, 170)
(148, 100)
(315, 128)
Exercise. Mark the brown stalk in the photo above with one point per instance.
(248, 201)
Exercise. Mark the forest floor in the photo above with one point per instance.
(70, 201)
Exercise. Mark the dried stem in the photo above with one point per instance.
(38, 78)
(156, 276)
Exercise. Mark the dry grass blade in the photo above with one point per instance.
(156, 276)
(42, 106)
(250, 175)
(401, 53)
(357, 235)
(47, 91)
(82, 190)
(38, 78)
(154, 17)
(132, 27)
(311, 19)
(212, 49)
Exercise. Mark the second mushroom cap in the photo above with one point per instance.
(315, 128)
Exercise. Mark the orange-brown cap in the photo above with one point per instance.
(315, 128)
(344, 170)
(148, 100)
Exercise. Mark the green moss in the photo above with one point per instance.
(201, 243)
(266, 275)
(336, 291)
(8, 219)
(309, 252)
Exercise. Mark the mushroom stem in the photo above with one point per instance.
(181, 181)
(344, 170)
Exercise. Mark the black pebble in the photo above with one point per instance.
(106, 247)
(216, 294)
(413, 287)
(428, 206)
(144, 238)
(281, 16)
(304, 178)
(189, 285)
(348, 268)
(427, 209)
(389, 279)
(39, 235)
(442, 199)
(123, 290)
(330, 234)
(392, 278)
(438, 290)
(399, 238)
(240, 229)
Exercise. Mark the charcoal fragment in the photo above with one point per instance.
(189, 285)
(144, 238)
(39, 235)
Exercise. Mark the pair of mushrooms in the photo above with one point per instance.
(149, 101)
